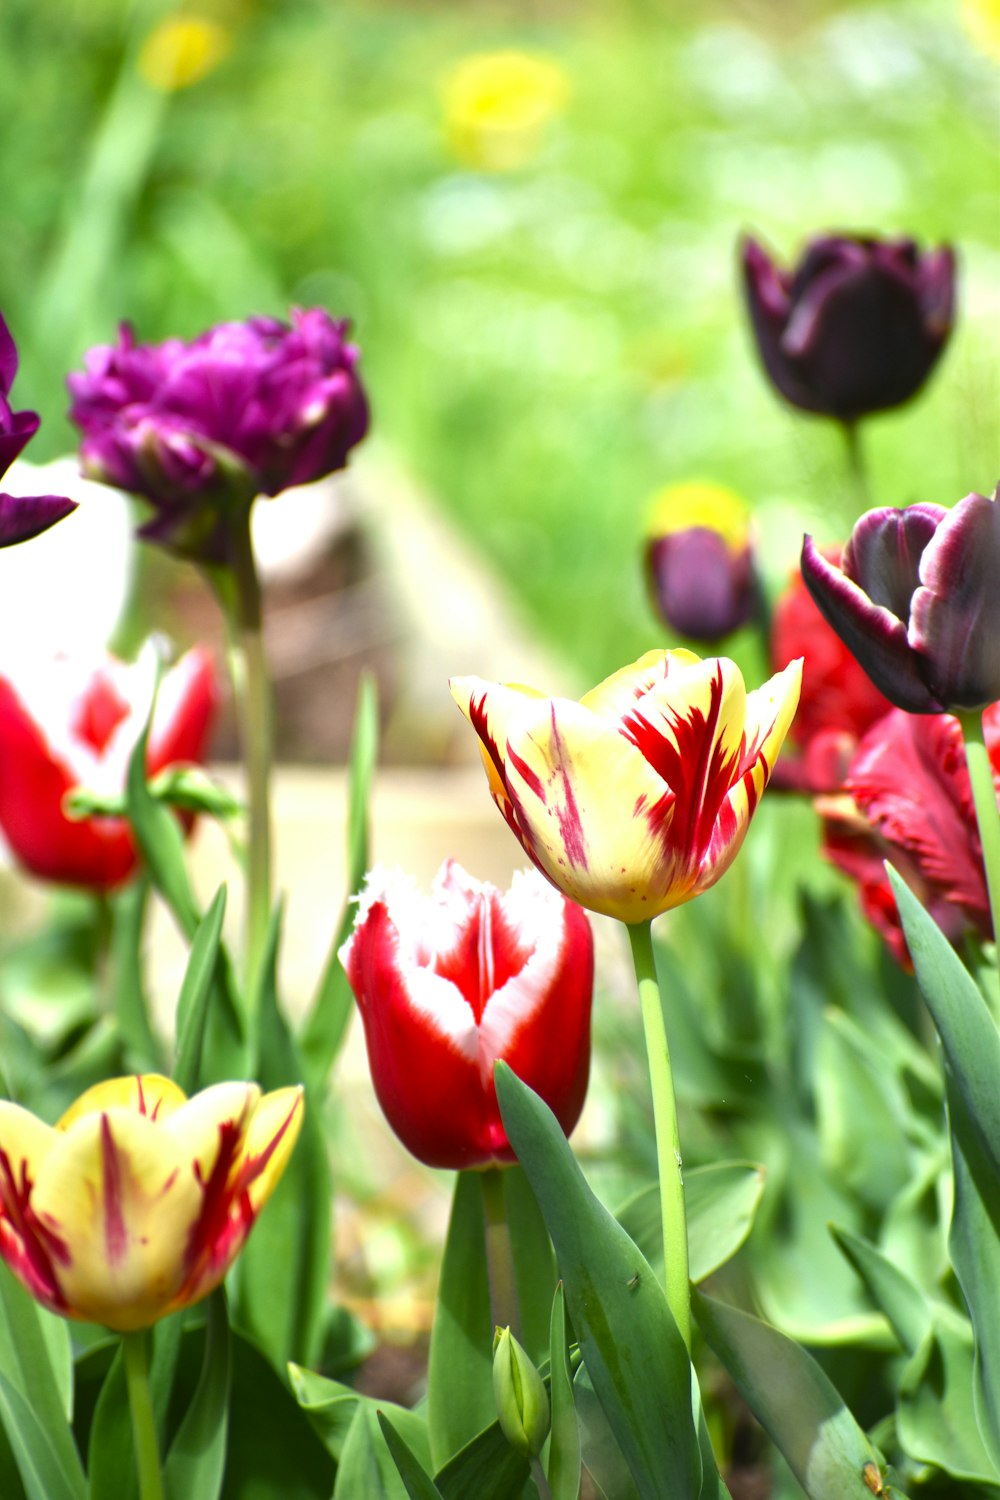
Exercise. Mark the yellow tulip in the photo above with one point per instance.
(638, 797)
(139, 1200)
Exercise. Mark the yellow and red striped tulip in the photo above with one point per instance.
(638, 797)
(139, 1200)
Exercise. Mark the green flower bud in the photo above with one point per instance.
(519, 1391)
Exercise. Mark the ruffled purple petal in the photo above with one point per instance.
(19, 431)
(955, 616)
(8, 357)
(25, 516)
(873, 634)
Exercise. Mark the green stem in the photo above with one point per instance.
(252, 686)
(147, 1456)
(668, 1144)
(856, 464)
(984, 797)
(541, 1483)
(504, 1307)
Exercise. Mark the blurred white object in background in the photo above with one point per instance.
(67, 589)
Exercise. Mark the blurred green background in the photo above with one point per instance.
(537, 250)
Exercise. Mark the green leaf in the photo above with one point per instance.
(197, 1458)
(111, 1450)
(417, 1482)
(331, 1408)
(563, 1470)
(487, 1467)
(196, 991)
(460, 1368)
(366, 1466)
(629, 1341)
(721, 1202)
(793, 1400)
(143, 1052)
(534, 1263)
(160, 840)
(283, 1273)
(273, 1447)
(892, 1291)
(326, 1024)
(43, 1471)
(935, 1413)
(862, 1113)
(975, 1253)
(968, 1032)
(34, 1351)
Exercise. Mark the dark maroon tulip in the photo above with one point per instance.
(916, 600)
(21, 517)
(856, 327)
(702, 586)
(244, 409)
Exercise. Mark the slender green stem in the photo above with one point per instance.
(504, 1307)
(147, 1456)
(856, 464)
(984, 797)
(541, 1483)
(668, 1144)
(252, 686)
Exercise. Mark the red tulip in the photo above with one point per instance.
(68, 723)
(451, 984)
(908, 800)
(838, 702)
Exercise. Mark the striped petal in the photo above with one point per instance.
(148, 1094)
(616, 695)
(32, 1247)
(115, 1190)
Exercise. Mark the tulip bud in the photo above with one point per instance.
(700, 561)
(521, 1398)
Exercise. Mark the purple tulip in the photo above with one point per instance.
(702, 586)
(916, 600)
(21, 517)
(858, 325)
(244, 409)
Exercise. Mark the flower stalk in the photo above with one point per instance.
(135, 1352)
(668, 1144)
(505, 1309)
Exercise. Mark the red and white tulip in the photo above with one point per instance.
(638, 797)
(139, 1200)
(69, 722)
(450, 984)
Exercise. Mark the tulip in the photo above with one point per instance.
(700, 561)
(638, 797)
(908, 799)
(21, 516)
(858, 325)
(68, 723)
(244, 409)
(139, 1200)
(838, 702)
(450, 985)
(915, 599)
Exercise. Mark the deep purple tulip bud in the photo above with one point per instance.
(915, 599)
(700, 561)
(856, 327)
(21, 517)
(245, 409)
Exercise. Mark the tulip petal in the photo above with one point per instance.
(31, 1246)
(493, 710)
(25, 516)
(272, 1133)
(148, 1094)
(955, 616)
(114, 1188)
(884, 552)
(875, 636)
(617, 695)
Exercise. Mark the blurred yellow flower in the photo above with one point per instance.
(981, 19)
(498, 106)
(700, 502)
(181, 50)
